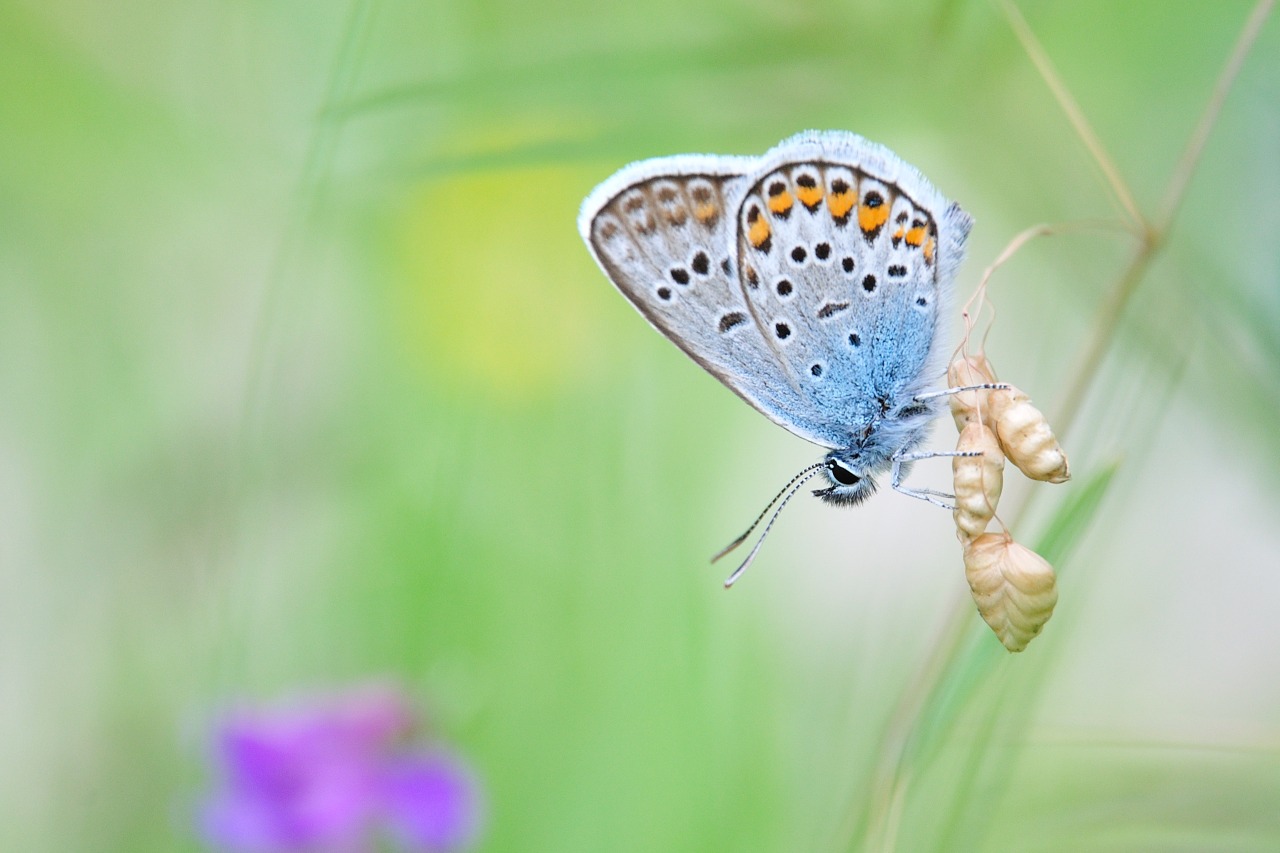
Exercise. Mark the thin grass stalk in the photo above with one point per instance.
(889, 785)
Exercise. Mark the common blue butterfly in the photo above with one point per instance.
(810, 281)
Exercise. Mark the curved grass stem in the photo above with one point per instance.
(899, 746)
(1073, 112)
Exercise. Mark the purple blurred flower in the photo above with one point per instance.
(429, 802)
(332, 775)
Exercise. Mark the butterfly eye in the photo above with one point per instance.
(842, 475)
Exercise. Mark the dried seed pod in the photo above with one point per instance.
(979, 480)
(1013, 586)
(969, 370)
(1026, 438)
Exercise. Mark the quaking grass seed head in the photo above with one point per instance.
(1025, 435)
(967, 406)
(978, 480)
(1014, 588)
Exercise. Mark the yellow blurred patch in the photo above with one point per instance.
(495, 296)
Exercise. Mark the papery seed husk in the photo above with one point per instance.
(969, 370)
(978, 480)
(1026, 438)
(1014, 588)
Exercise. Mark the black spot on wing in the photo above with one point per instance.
(731, 320)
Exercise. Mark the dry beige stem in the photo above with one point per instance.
(979, 480)
(969, 370)
(1013, 586)
(1025, 435)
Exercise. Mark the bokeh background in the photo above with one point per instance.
(306, 379)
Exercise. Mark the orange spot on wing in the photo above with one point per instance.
(706, 212)
(915, 236)
(759, 232)
(840, 203)
(928, 251)
(809, 196)
(872, 218)
(781, 202)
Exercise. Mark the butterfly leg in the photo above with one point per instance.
(902, 464)
(984, 386)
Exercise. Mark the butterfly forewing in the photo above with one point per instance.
(663, 231)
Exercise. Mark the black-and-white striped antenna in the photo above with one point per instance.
(785, 494)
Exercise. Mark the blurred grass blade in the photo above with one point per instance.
(1003, 713)
(980, 658)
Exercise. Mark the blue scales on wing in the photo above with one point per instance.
(839, 270)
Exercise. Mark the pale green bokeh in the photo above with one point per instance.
(306, 378)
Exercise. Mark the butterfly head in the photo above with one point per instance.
(851, 482)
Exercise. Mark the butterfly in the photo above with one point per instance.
(811, 281)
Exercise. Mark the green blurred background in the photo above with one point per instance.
(306, 378)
